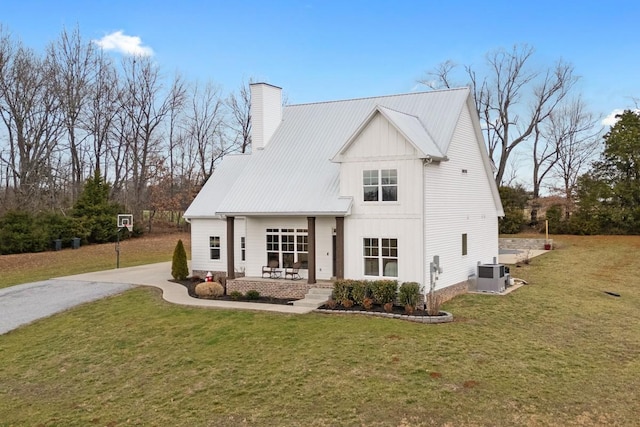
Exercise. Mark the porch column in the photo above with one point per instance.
(311, 226)
(339, 247)
(231, 271)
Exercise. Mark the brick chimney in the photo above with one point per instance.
(266, 113)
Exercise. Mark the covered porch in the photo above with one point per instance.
(286, 242)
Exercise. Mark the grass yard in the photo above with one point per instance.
(556, 352)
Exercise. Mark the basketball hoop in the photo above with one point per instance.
(125, 221)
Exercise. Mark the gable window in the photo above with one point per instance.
(214, 247)
(464, 244)
(287, 246)
(380, 185)
(380, 257)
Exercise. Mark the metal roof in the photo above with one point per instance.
(294, 174)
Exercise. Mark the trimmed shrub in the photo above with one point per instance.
(209, 290)
(252, 294)
(384, 291)
(235, 295)
(359, 291)
(342, 289)
(179, 267)
(409, 294)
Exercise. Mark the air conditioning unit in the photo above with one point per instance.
(492, 278)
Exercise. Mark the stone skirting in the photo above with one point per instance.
(450, 292)
(295, 289)
(517, 243)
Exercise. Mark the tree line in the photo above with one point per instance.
(72, 112)
(535, 122)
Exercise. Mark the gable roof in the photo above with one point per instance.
(294, 175)
(409, 127)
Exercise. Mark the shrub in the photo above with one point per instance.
(409, 294)
(331, 303)
(252, 294)
(209, 290)
(384, 291)
(359, 291)
(342, 289)
(434, 301)
(347, 303)
(179, 267)
(235, 295)
(388, 307)
(367, 303)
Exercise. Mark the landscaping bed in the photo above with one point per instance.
(191, 283)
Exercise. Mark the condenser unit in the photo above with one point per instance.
(492, 278)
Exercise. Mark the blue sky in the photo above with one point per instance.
(325, 50)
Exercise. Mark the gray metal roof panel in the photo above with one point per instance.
(293, 173)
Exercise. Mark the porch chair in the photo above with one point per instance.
(270, 269)
(293, 271)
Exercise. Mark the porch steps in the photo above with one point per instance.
(315, 297)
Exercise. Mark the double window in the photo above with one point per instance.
(287, 246)
(380, 257)
(380, 185)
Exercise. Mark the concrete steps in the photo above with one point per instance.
(314, 298)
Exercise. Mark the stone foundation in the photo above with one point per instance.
(295, 289)
(451, 292)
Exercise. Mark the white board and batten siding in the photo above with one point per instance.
(380, 146)
(458, 200)
(201, 230)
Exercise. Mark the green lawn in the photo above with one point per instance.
(556, 352)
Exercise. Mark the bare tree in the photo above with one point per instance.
(145, 107)
(98, 117)
(73, 63)
(205, 126)
(240, 105)
(576, 134)
(512, 99)
(30, 113)
(544, 156)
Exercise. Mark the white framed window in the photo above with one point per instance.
(380, 257)
(380, 185)
(464, 244)
(287, 246)
(214, 247)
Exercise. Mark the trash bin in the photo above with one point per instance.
(75, 243)
(57, 244)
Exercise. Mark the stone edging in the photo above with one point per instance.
(448, 317)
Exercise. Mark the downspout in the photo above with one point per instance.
(425, 162)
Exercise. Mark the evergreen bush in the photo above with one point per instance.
(179, 267)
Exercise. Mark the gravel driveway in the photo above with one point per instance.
(22, 304)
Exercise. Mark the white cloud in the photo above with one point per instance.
(611, 119)
(120, 42)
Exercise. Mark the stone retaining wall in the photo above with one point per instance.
(275, 288)
(522, 243)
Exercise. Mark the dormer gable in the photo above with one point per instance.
(386, 132)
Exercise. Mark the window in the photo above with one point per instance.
(464, 244)
(382, 183)
(243, 248)
(380, 257)
(214, 247)
(288, 246)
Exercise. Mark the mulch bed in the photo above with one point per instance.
(376, 308)
(191, 286)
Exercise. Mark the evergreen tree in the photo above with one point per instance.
(609, 195)
(179, 267)
(96, 215)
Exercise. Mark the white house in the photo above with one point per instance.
(362, 188)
